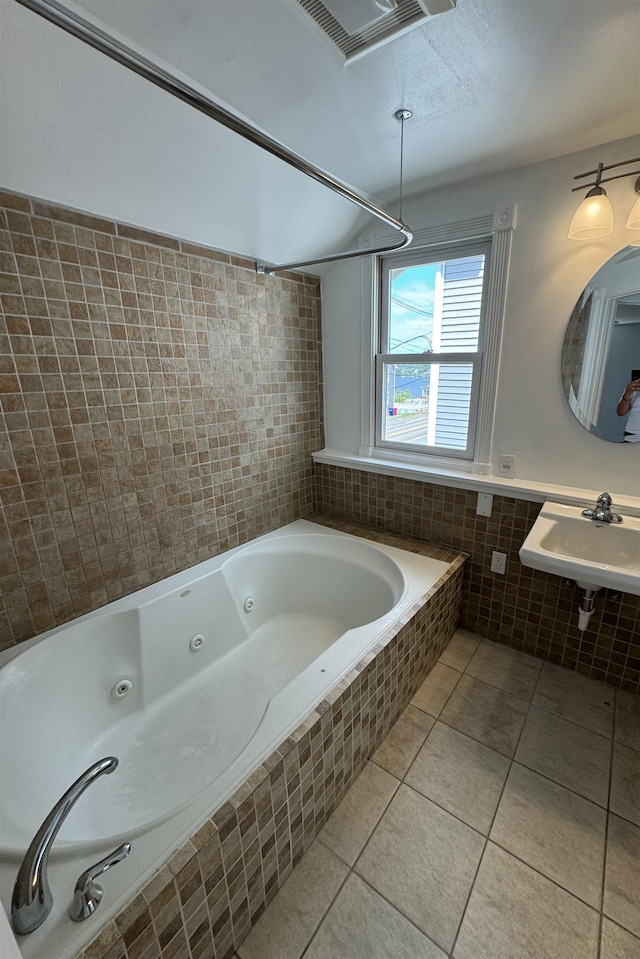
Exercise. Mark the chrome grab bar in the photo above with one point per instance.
(86, 31)
(32, 901)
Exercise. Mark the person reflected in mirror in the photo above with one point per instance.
(629, 406)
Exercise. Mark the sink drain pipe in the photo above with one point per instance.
(586, 610)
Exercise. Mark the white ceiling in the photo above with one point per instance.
(493, 84)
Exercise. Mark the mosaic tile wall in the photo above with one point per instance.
(202, 904)
(525, 609)
(159, 403)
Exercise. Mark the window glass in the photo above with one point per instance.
(428, 370)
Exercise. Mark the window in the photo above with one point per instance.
(432, 333)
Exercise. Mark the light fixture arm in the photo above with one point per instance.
(610, 166)
(594, 217)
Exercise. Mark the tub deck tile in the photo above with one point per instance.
(245, 851)
(241, 794)
(204, 834)
(222, 815)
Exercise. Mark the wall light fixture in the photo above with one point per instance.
(594, 216)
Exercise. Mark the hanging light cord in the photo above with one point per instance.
(401, 163)
(401, 115)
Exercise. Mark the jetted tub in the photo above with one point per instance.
(190, 683)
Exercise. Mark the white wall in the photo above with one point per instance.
(79, 130)
(548, 272)
(69, 137)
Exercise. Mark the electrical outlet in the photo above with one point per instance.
(507, 465)
(498, 562)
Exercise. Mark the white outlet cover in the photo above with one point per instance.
(498, 562)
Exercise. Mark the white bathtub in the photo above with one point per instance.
(223, 660)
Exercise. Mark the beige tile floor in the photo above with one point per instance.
(500, 819)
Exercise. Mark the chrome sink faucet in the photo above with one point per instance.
(602, 512)
(32, 900)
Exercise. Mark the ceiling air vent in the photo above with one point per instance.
(358, 26)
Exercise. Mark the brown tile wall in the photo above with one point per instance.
(525, 609)
(202, 903)
(159, 403)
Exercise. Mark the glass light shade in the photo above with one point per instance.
(594, 217)
(633, 223)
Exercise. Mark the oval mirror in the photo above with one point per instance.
(601, 350)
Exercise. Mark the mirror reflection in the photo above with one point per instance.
(601, 351)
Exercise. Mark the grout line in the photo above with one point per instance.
(351, 867)
(538, 871)
(486, 838)
(395, 907)
(444, 809)
(529, 704)
(606, 831)
(468, 899)
(616, 922)
(574, 792)
(504, 785)
(513, 762)
(377, 823)
(329, 907)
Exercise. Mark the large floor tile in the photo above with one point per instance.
(461, 648)
(559, 833)
(460, 774)
(504, 668)
(348, 828)
(515, 913)
(627, 725)
(617, 943)
(571, 755)
(284, 930)
(582, 700)
(622, 874)
(625, 783)
(436, 689)
(423, 861)
(400, 747)
(489, 715)
(362, 925)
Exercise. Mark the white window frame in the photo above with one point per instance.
(430, 254)
(498, 227)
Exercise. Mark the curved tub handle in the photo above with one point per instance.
(88, 894)
(32, 900)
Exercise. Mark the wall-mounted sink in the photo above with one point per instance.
(593, 553)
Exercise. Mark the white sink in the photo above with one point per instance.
(595, 554)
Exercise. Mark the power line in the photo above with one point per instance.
(410, 306)
(419, 337)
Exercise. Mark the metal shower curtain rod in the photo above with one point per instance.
(99, 40)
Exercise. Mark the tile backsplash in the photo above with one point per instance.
(159, 403)
(526, 609)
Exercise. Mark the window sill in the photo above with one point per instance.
(531, 490)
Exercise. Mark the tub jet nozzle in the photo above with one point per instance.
(121, 689)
